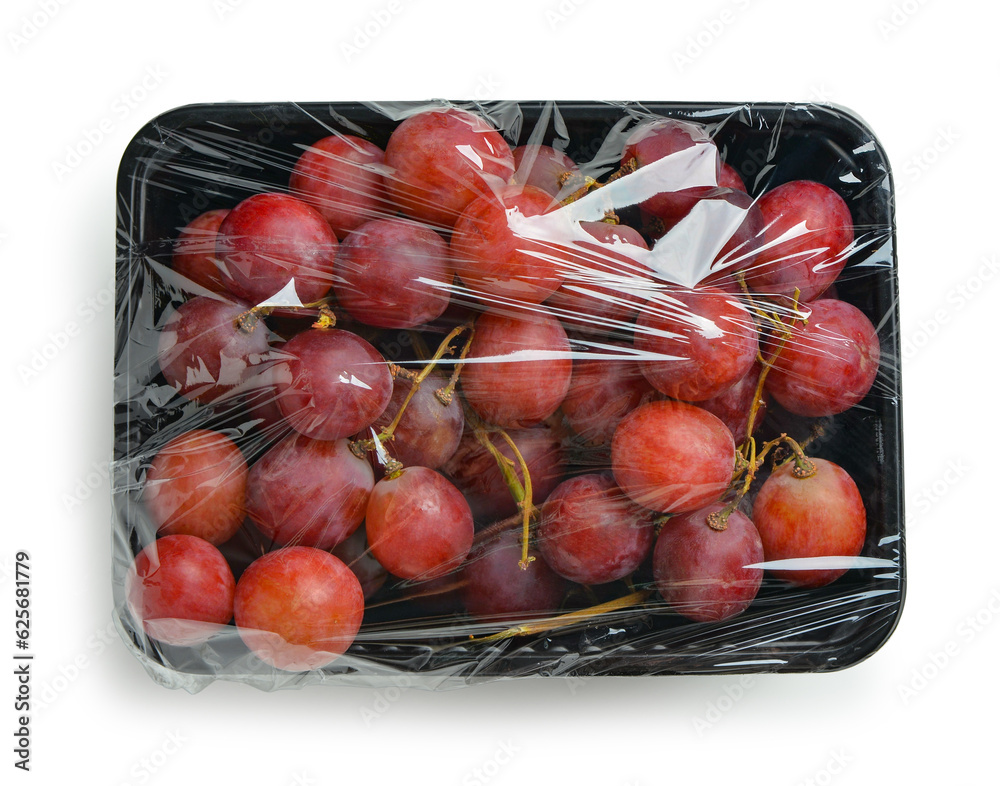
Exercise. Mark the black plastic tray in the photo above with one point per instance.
(200, 157)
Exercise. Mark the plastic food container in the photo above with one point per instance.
(419, 633)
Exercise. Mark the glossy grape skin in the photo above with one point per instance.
(730, 178)
(309, 492)
(496, 589)
(708, 336)
(656, 140)
(591, 533)
(268, 240)
(829, 364)
(502, 248)
(542, 166)
(181, 589)
(298, 608)
(203, 351)
(603, 287)
(475, 473)
(196, 486)
(340, 176)
(442, 159)
(331, 383)
(393, 273)
(194, 251)
(419, 525)
(602, 391)
(819, 516)
(740, 251)
(732, 406)
(701, 572)
(810, 259)
(354, 553)
(672, 457)
(517, 392)
(429, 431)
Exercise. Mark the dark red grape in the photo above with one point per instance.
(393, 273)
(341, 177)
(673, 457)
(429, 431)
(419, 525)
(809, 231)
(732, 406)
(194, 251)
(804, 518)
(354, 553)
(298, 608)
(591, 532)
(442, 159)
(546, 168)
(270, 240)
(828, 364)
(604, 390)
(730, 178)
(496, 589)
(703, 573)
(206, 348)
(503, 247)
(331, 383)
(475, 472)
(196, 486)
(519, 369)
(309, 492)
(695, 343)
(181, 590)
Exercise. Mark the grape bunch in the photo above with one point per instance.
(573, 407)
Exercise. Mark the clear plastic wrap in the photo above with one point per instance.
(680, 319)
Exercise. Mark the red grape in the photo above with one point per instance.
(604, 390)
(546, 168)
(269, 240)
(519, 369)
(393, 273)
(194, 251)
(701, 572)
(604, 287)
(496, 589)
(829, 364)
(730, 178)
(309, 492)
(503, 248)
(672, 457)
(196, 486)
(341, 177)
(354, 553)
(332, 383)
(429, 431)
(695, 343)
(181, 589)
(419, 525)
(809, 231)
(205, 352)
(442, 159)
(298, 608)
(732, 406)
(591, 532)
(801, 518)
(684, 179)
(476, 474)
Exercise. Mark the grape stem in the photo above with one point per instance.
(565, 620)
(589, 183)
(445, 394)
(247, 321)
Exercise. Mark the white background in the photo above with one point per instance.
(923, 75)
